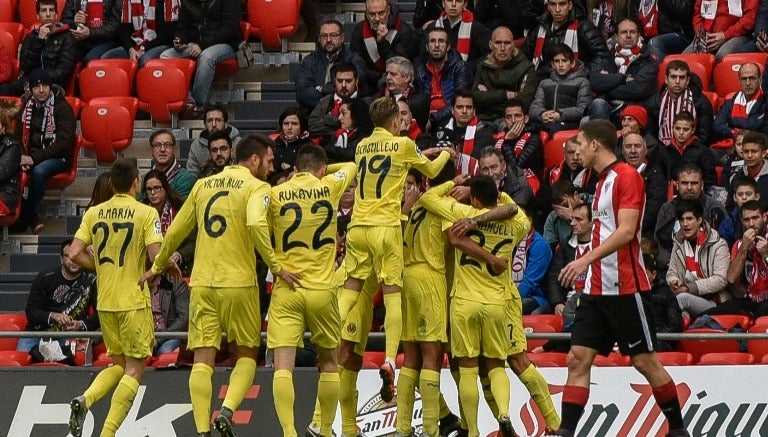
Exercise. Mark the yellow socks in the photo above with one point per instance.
(104, 382)
(347, 301)
(463, 418)
(283, 396)
(444, 409)
(315, 424)
(348, 401)
(470, 397)
(500, 390)
(240, 381)
(200, 392)
(539, 390)
(393, 324)
(328, 397)
(429, 386)
(485, 383)
(122, 400)
(406, 386)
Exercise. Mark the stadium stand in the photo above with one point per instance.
(107, 126)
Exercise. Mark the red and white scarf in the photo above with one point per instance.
(671, 107)
(49, 124)
(581, 250)
(166, 216)
(758, 278)
(692, 262)
(371, 45)
(520, 258)
(343, 136)
(520, 144)
(172, 170)
(141, 13)
(465, 29)
(571, 40)
(624, 57)
(742, 107)
(648, 14)
(414, 130)
(465, 163)
(603, 18)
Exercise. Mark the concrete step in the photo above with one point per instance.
(15, 301)
(27, 262)
(261, 110)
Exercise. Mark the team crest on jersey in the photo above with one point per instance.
(351, 328)
(266, 201)
(340, 175)
(158, 229)
(377, 418)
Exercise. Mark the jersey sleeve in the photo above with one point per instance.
(430, 168)
(630, 191)
(339, 177)
(84, 231)
(180, 227)
(258, 226)
(152, 231)
(521, 225)
(436, 201)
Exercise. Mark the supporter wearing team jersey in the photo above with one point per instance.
(123, 232)
(375, 240)
(229, 211)
(614, 307)
(302, 213)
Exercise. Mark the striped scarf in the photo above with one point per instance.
(141, 13)
(466, 163)
(465, 29)
(648, 14)
(624, 57)
(571, 40)
(692, 263)
(371, 45)
(166, 216)
(49, 123)
(742, 107)
(530, 176)
(669, 108)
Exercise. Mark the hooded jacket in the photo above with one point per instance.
(569, 95)
(198, 150)
(312, 71)
(704, 112)
(454, 76)
(61, 147)
(516, 75)
(714, 258)
(56, 54)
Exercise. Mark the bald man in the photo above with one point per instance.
(634, 150)
(745, 110)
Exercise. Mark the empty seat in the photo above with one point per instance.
(548, 359)
(107, 126)
(229, 67)
(758, 347)
(76, 105)
(9, 51)
(166, 360)
(728, 321)
(697, 348)
(538, 328)
(553, 320)
(726, 358)
(63, 180)
(714, 100)
(272, 22)
(554, 149)
(19, 319)
(104, 81)
(727, 71)
(6, 343)
(163, 87)
(675, 358)
(7, 11)
(376, 358)
(20, 357)
(128, 65)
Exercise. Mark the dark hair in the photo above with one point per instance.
(46, 2)
(688, 205)
(755, 138)
(515, 102)
(489, 151)
(634, 21)
(170, 194)
(335, 22)
(253, 145)
(216, 107)
(293, 110)
(752, 205)
(102, 190)
(689, 167)
(677, 64)
(650, 262)
(440, 29)
(158, 132)
(742, 180)
(446, 174)
(561, 49)
(219, 135)
(310, 158)
(361, 116)
(8, 113)
(563, 187)
(483, 188)
(122, 174)
(65, 243)
(586, 206)
(684, 116)
(602, 131)
(343, 67)
(463, 93)
(416, 175)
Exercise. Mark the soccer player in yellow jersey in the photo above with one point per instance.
(229, 210)
(123, 232)
(374, 239)
(302, 213)
(481, 293)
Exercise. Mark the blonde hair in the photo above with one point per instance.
(8, 112)
(383, 110)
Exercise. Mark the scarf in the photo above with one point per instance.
(624, 57)
(405, 96)
(343, 136)
(571, 40)
(692, 262)
(649, 17)
(520, 144)
(465, 29)
(414, 130)
(49, 124)
(469, 135)
(742, 107)
(371, 45)
(603, 18)
(172, 170)
(141, 13)
(520, 258)
(669, 108)
(157, 310)
(166, 216)
(758, 278)
(286, 140)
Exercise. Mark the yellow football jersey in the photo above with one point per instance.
(423, 239)
(120, 230)
(302, 213)
(383, 161)
(473, 279)
(229, 210)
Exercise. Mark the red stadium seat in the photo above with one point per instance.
(9, 51)
(16, 30)
(675, 358)
(76, 104)
(726, 358)
(544, 137)
(105, 81)
(548, 359)
(107, 126)
(714, 100)
(72, 85)
(552, 320)
(49, 364)
(187, 66)
(8, 344)
(63, 180)
(697, 348)
(8, 220)
(707, 60)
(613, 359)
(103, 360)
(7, 11)
(163, 88)
(695, 67)
(19, 319)
(538, 328)
(273, 22)
(758, 348)
(7, 362)
(764, 360)
(554, 149)
(376, 358)
(166, 360)
(727, 71)
(729, 321)
(399, 360)
(128, 65)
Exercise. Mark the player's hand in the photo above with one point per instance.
(462, 226)
(461, 179)
(411, 194)
(572, 270)
(498, 265)
(559, 308)
(293, 279)
(460, 193)
(147, 277)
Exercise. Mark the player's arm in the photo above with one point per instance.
(437, 203)
(429, 168)
(497, 213)
(348, 168)
(79, 254)
(471, 248)
(180, 227)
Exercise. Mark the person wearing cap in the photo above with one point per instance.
(634, 120)
(47, 126)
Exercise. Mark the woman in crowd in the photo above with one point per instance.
(356, 124)
(167, 202)
(10, 159)
(291, 135)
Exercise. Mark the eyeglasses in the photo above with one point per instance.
(162, 145)
(330, 35)
(153, 189)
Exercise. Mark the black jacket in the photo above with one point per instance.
(62, 146)
(285, 153)
(174, 304)
(107, 32)
(704, 113)
(655, 196)
(697, 153)
(479, 36)
(532, 155)
(210, 22)
(46, 297)
(165, 31)
(57, 54)
(311, 74)
(675, 16)
(615, 86)
(10, 170)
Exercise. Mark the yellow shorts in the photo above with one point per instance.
(232, 310)
(292, 312)
(375, 250)
(424, 304)
(357, 325)
(518, 343)
(478, 327)
(130, 333)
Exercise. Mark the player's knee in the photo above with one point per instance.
(646, 364)
(579, 361)
(519, 362)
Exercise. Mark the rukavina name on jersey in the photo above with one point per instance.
(302, 194)
(116, 214)
(494, 228)
(377, 147)
(223, 182)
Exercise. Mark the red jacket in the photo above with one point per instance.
(731, 25)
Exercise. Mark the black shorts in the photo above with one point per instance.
(602, 321)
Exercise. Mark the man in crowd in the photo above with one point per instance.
(509, 178)
(220, 154)
(634, 151)
(324, 119)
(722, 28)
(163, 145)
(94, 25)
(745, 110)
(748, 269)
(399, 84)
(215, 119)
(465, 133)
(467, 34)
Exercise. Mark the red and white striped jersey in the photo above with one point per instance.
(619, 186)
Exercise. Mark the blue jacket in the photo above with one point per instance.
(455, 76)
(724, 122)
(731, 228)
(539, 257)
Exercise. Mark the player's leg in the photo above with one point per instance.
(358, 264)
(282, 388)
(350, 363)
(429, 385)
(201, 387)
(664, 390)
(406, 386)
(465, 345)
(496, 338)
(204, 340)
(328, 388)
(122, 398)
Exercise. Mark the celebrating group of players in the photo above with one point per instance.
(293, 228)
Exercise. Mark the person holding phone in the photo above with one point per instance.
(94, 25)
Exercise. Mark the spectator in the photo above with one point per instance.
(562, 24)
(61, 299)
(215, 119)
(219, 153)
(681, 91)
(747, 271)
(145, 31)
(699, 262)
(685, 147)
(382, 35)
(509, 178)
(170, 311)
(411, 129)
(48, 138)
(163, 145)
(324, 119)
(464, 132)
(667, 317)
(630, 79)
(759, 41)
(745, 110)
(557, 228)
(94, 25)
(562, 98)
(722, 27)
(49, 46)
(504, 74)
(208, 32)
(753, 147)
(291, 136)
(690, 185)
(606, 15)
(570, 169)
(355, 124)
(635, 153)
(634, 120)
(733, 159)
(530, 265)
(399, 84)
(314, 79)
(519, 141)
(668, 24)
(449, 73)
(744, 189)
(102, 190)
(467, 34)
(10, 159)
